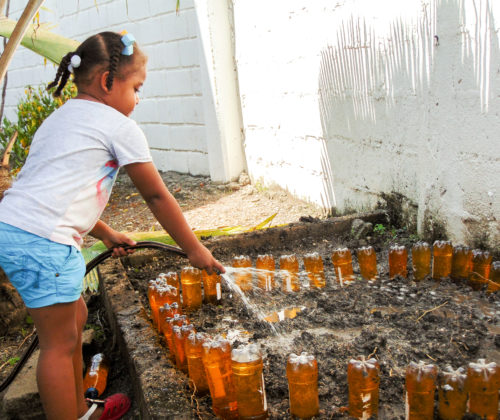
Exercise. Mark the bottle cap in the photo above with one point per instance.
(91, 393)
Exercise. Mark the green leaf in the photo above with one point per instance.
(41, 40)
(13, 360)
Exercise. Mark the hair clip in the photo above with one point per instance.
(75, 62)
(128, 40)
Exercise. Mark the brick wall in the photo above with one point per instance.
(171, 107)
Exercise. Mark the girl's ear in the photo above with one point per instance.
(102, 81)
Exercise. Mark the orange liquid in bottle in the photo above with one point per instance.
(482, 383)
(249, 383)
(420, 389)
(164, 312)
(363, 379)
(398, 259)
(461, 262)
(217, 362)
(168, 332)
(302, 374)
(96, 377)
(265, 263)
(194, 355)
(342, 263)
(480, 271)
(421, 260)
(243, 277)
(289, 267)
(452, 394)
(313, 264)
(191, 288)
(367, 260)
(211, 287)
(441, 264)
(494, 283)
(180, 336)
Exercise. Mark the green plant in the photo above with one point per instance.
(379, 229)
(32, 109)
(13, 360)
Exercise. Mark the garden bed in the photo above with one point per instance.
(396, 321)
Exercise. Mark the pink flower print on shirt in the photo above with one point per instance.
(105, 183)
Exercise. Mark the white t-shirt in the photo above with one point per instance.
(74, 158)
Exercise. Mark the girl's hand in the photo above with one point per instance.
(117, 240)
(203, 259)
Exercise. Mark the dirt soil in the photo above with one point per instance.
(396, 321)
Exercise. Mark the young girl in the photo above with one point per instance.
(58, 198)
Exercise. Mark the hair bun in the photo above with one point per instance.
(75, 61)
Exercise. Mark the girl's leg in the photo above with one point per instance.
(57, 331)
(81, 319)
(82, 406)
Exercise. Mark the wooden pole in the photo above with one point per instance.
(29, 12)
(2, 7)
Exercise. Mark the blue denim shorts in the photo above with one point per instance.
(43, 272)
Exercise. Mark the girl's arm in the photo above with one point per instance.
(112, 238)
(167, 211)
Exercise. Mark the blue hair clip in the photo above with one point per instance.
(128, 40)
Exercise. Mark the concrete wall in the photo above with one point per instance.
(345, 102)
(171, 111)
(342, 102)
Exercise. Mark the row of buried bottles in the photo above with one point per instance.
(458, 262)
(234, 377)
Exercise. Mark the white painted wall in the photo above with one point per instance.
(171, 110)
(341, 101)
(345, 100)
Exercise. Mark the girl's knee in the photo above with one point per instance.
(81, 315)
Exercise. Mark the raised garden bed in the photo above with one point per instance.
(396, 321)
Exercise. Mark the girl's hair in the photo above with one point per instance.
(102, 51)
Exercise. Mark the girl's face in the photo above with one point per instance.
(123, 95)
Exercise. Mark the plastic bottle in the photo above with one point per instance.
(94, 381)
(217, 362)
(152, 297)
(191, 288)
(420, 389)
(421, 260)
(168, 332)
(211, 287)
(398, 259)
(265, 263)
(363, 378)
(367, 260)
(452, 393)
(482, 383)
(248, 380)
(289, 271)
(494, 282)
(243, 277)
(302, 374)
(172, 279)
(461, 262)
(194, 355)
(164, 312)
(342, 263)
(313, 264)
(441, 263)
(180, 336)
(480, 271)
